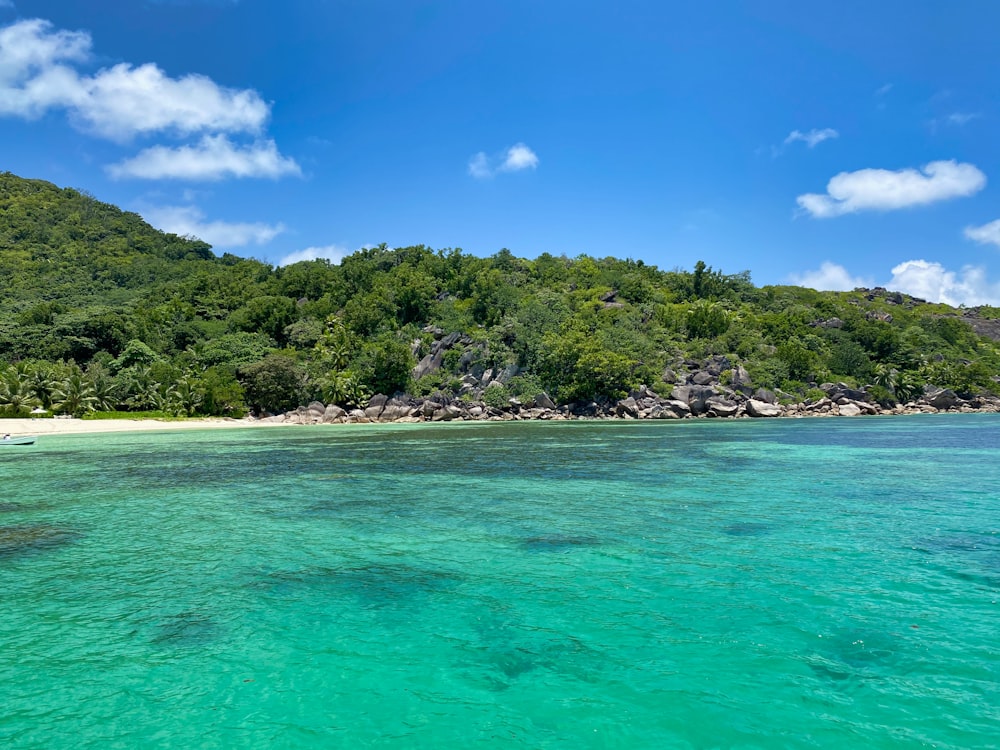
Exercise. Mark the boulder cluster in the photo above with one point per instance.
(714, 388)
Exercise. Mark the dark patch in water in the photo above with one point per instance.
(969, 542)
(9, 507)
(335, 506)
(978, 579)
(959, 555)
(377, 584)
(749, 528)
(186, 629)
(829, 673)
(558, 542)
(26, 539)
(850, 655)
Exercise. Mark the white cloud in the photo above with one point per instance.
(961, 118)
(830, 277)
(886, 190)
(813, 137)
(933, 282)
(883, 90)
(332, 253)
(519, 157)
(37, 74)
(927, 280)
(123, 101)
(479, 166)
(189, 221)
(987, 234)
(6, 3)
(516, 158)
(213, 158)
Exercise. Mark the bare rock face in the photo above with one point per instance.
(332, 414)
(542, 401)
(720, 407)
(762, 394)
(941, 398)
(375, 405)
(849, 409)
(395, 409)
(695, 396)
(740, 380)
(703, 377)
(670, 410)
(755, 408)
(839, 391)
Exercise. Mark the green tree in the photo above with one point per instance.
(275, 384)
(75, 395)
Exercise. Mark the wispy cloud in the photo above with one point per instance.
(6, 3)
(332, 253)
(987, 234)
(883, 90)
(888, 190)
(961, 118)
(189, 221)
(813, 138)
(213, 158)
(515, 159)
(479, 166)
(830, 277)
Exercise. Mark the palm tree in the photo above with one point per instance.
(75, 395)
(886, 376)
(186, 397)
(105, 393)
(162, 396)
(43, 385)
(15, 392)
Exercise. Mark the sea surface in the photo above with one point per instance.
(830, 583)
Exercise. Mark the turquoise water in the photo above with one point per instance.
(790, 583)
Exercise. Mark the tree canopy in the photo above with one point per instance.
(114, 314)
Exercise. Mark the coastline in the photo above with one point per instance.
(31, 427)
(304, 416)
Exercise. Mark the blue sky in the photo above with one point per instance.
(832, 145)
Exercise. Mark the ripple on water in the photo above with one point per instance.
(559, 542)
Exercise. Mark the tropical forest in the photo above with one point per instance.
(102, 314)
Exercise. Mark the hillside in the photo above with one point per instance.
(146, 320)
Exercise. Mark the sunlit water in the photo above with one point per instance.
(792, 583)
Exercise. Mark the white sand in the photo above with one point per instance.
(24, 427)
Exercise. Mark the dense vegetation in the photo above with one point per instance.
(99, 311)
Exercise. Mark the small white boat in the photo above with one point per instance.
(25, 440)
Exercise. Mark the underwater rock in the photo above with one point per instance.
(25, 539)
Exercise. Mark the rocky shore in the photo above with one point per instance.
(712, 389)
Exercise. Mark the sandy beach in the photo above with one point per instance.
(24, 427)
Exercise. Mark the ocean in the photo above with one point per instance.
(698, 584)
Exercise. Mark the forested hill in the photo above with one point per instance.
(145, 320)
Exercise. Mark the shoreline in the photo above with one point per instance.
(24, 427)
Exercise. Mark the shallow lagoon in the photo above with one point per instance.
(790, 583)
